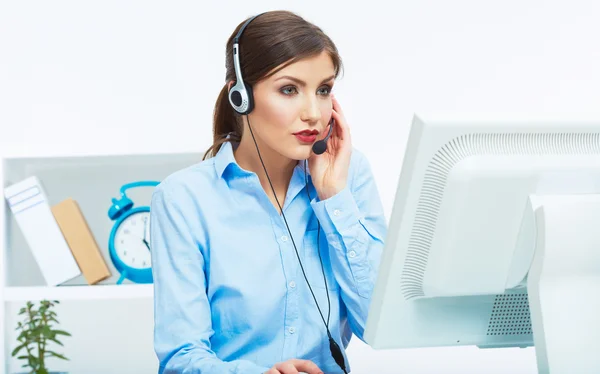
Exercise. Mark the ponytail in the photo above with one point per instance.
(225, 123)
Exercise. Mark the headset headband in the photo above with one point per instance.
(239, 34)
(240, 95)
(236, 58)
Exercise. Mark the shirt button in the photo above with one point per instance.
(336, 212)
(284, 238)
(292, 284)
(352, 254)
(292, 330)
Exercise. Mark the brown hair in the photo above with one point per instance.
(272, 40)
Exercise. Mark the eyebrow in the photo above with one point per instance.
(301, 82)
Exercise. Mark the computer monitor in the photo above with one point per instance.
(494, 241)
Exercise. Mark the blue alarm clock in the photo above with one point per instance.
(129, 241)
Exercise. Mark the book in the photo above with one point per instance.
(29, 204)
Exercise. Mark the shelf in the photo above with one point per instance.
(92, 181)
(91, 153)
(95, 292)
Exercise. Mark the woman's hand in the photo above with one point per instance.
(295, 366)
(329, 171)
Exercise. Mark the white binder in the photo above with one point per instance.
(29, 204)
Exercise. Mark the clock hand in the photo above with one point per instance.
(144, 241)
(145, 231)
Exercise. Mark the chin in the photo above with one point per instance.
(298, 153)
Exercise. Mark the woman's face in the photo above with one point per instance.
(294, 100)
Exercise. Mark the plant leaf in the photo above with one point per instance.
(45, 330)
(33, 361)
(57, 355)
(56, 341)
(61, 332)
(18, 348)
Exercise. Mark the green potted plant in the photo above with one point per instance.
(37, 332)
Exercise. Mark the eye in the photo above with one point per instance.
(325, 91)
(288, 90)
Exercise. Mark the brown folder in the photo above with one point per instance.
(80, 239)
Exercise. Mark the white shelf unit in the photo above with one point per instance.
(99, 292)
(100, 317)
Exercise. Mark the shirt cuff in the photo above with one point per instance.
(337, 213)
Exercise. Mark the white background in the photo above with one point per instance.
(119, 76)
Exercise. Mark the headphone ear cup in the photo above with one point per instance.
(250, 98)
(235, 98)
(241, 98)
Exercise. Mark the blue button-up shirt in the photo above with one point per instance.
(229, 293)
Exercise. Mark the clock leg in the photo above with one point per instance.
(122, 277)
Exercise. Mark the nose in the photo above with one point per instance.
(311, 112)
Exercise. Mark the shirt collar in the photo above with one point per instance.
(225, 160)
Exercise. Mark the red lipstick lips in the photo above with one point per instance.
(307, 136)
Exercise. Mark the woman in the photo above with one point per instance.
(245, 241)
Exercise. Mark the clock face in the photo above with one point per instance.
(132, 240)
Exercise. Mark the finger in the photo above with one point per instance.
(307, 366)
(341, 130)
(286, 368)
(336, 105)
(273, 371)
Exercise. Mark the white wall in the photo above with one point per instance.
(137, 75)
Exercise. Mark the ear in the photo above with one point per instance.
(230, 84)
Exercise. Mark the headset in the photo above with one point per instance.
(242, 101)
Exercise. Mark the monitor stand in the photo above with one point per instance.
(564, 285)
